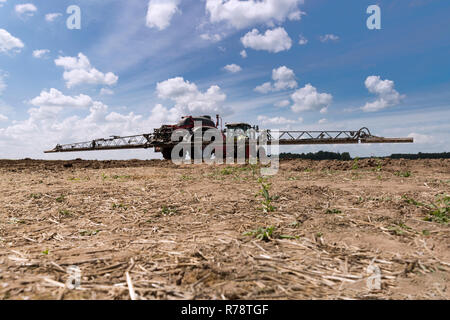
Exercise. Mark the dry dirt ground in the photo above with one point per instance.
(153, 230)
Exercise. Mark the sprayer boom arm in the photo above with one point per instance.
(146, 141)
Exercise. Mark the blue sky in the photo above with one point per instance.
(136, 64)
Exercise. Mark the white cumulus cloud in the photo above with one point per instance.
(27, 8)
(188, 98)
(211, 37)
(266, 87)
(2, 2)
(243, 54)
(421, 138)
(265, 120)
(9, 42)
(275, 40)
(50, 17)
(243, 14)
(232, 68)
(283, 77)
(160, 13)
(282, 103)
(79, 71)
(308, 99)
(384, 89)
(106, 92)
(329, 37)
(55, 99)
(40, 53)
(48, 124)
(302, 40)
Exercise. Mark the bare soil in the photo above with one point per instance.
(185, 232)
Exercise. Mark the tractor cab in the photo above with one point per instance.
(189, 121)
(240, 129)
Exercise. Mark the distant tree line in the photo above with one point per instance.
(345, 156)
(321, 155)
(420, 155)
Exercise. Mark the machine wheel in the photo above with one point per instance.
(167, 153)
(261, 153)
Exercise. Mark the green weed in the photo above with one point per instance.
(88, 233)
(355, 165)
(65, 213)
(116, 177)
(267, 199)
(439, 211)
(264, 234)
(168, 211)
(119, 206)
(404, 174)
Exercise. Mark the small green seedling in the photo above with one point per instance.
(379, 167)
(355, 164)
(89, 233)
(16, 221)
(399, 228)
(119, 206)
(65, 213)
(226, 171)
(267, 199)
(404, 174)
(263, 234)
(412, 201)
(440, 210)
(116, 177)
(289, 237)
(168, 211)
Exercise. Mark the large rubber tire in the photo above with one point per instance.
(261, 153)
(167, 153)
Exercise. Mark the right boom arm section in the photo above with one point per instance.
(363, 135)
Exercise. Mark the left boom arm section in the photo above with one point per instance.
(142, 141)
